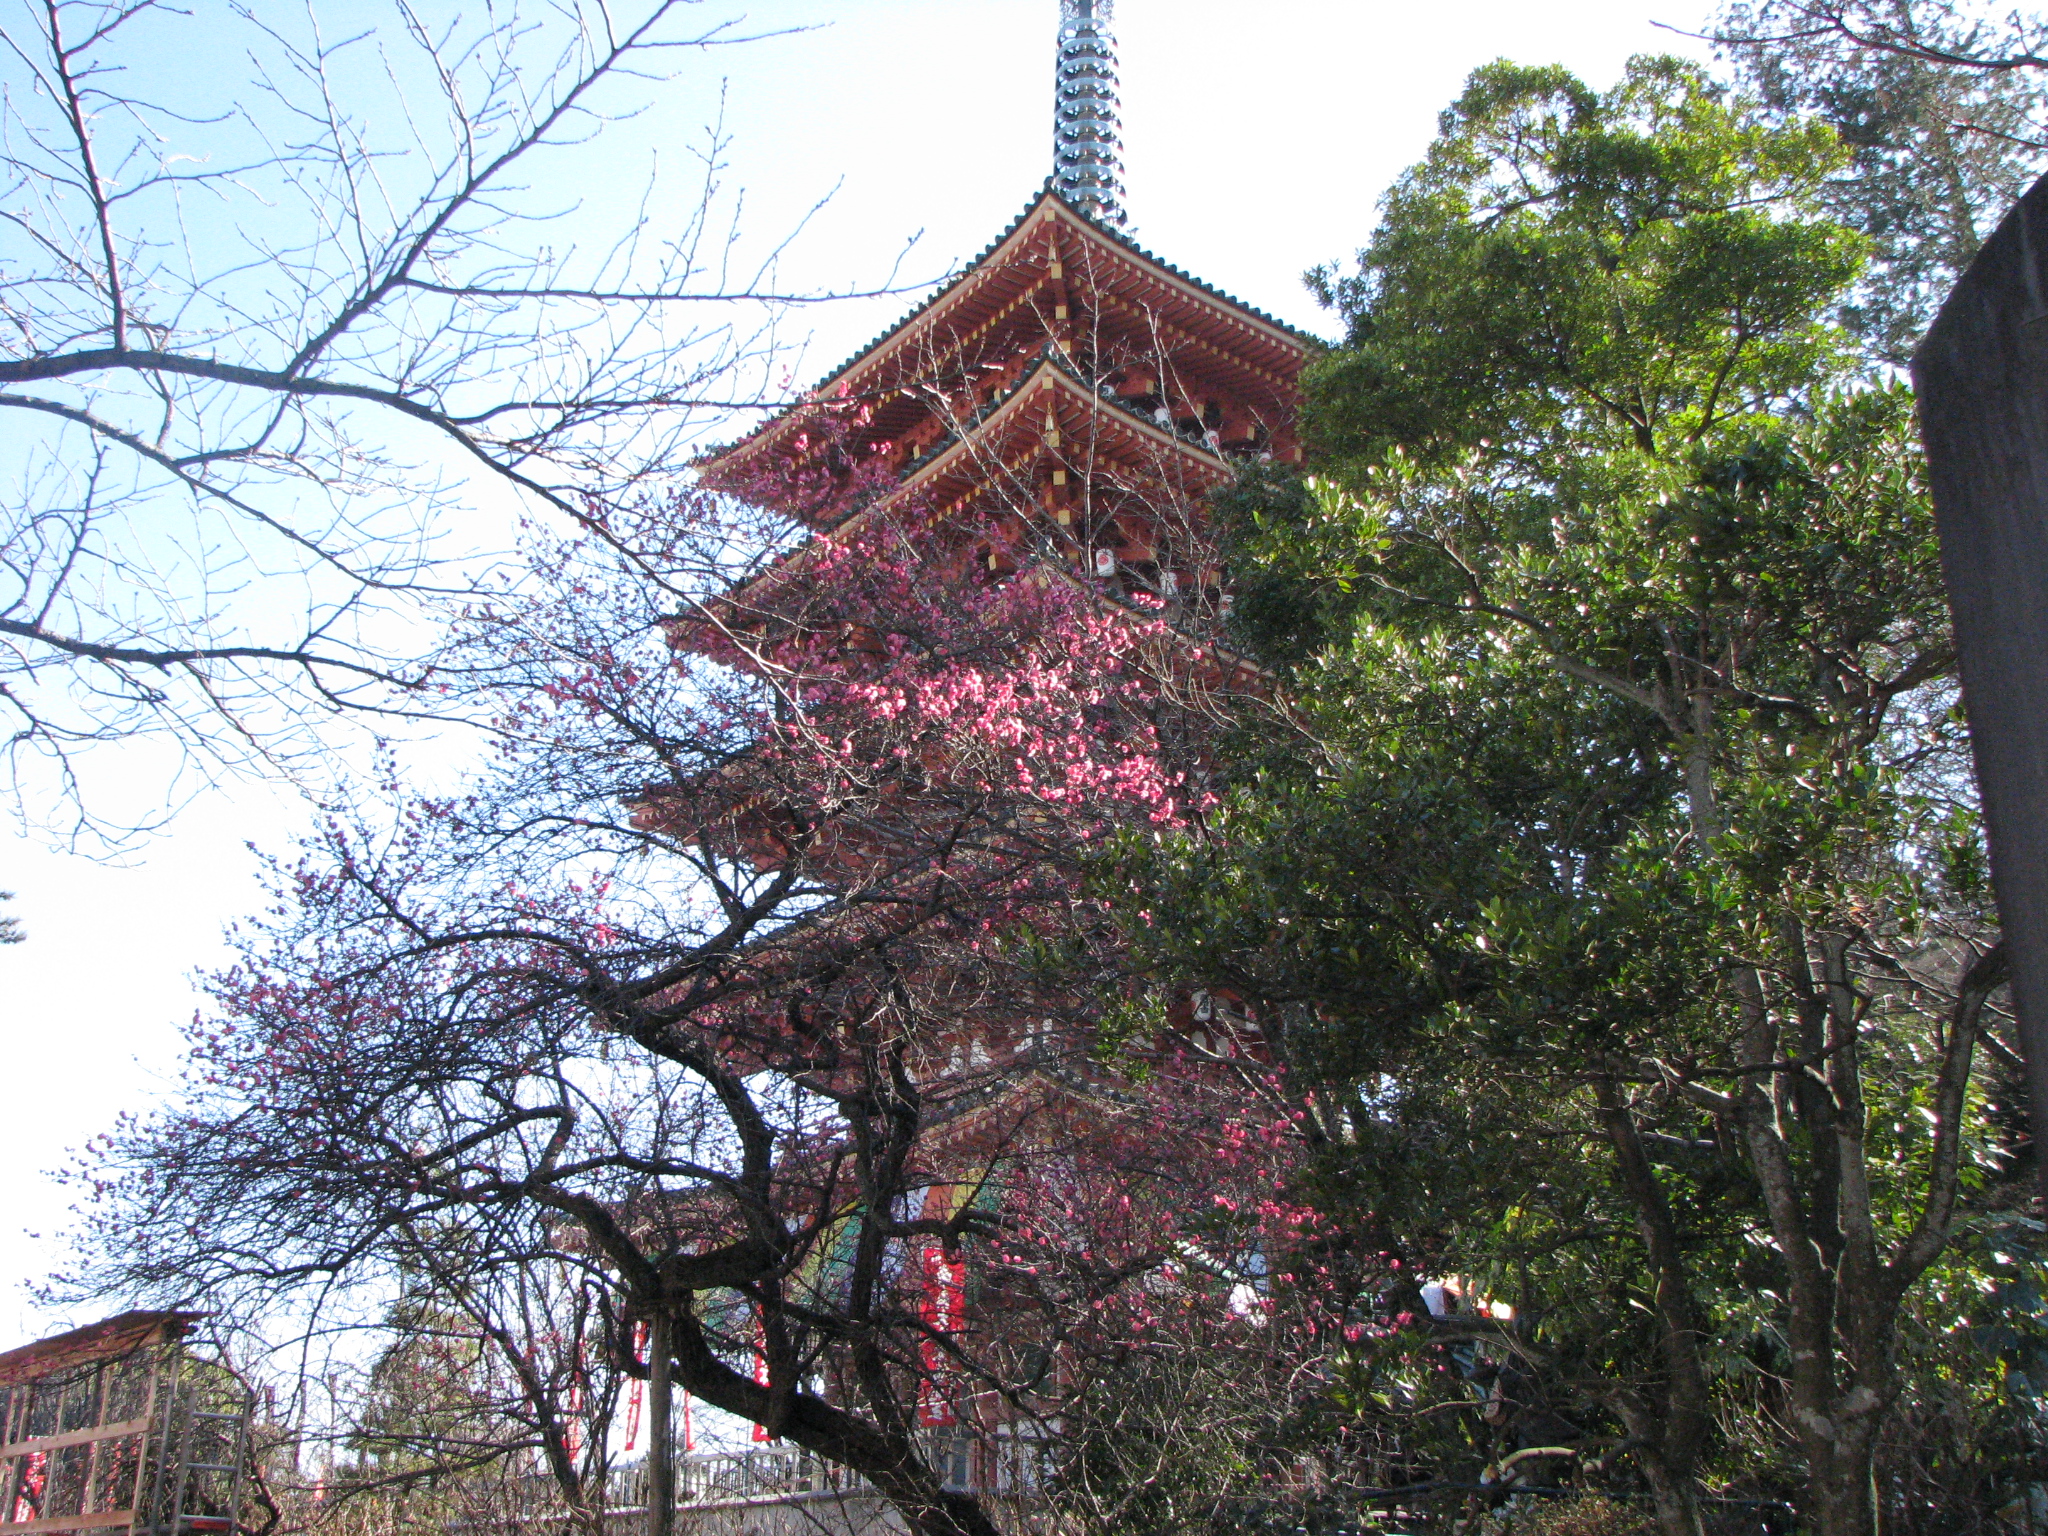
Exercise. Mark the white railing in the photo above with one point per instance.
(762, 1475)
(1008, 1465)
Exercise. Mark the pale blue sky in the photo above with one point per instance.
(1258, 137)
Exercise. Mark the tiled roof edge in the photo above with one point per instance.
(1118, 237)
(1050, 357)
(1114, 236)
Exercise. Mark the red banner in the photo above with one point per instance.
(944, 1311)
(28, 1495)
(637, 1390)
(761, 1435)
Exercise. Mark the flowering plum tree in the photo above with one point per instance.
(785, 1046)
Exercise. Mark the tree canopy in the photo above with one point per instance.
(1567, 267)
(1944, 123)
(1612, 857)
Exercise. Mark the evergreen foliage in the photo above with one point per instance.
(1609, 875)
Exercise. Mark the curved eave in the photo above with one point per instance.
(1006, 427)
(1005, 248)
(1001, 253)
(1011, 421)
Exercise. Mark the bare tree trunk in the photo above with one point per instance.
(661, 1449)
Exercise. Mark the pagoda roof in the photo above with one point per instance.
(1046, 195)
(960, 462)
(1046, 203)
(958, 465)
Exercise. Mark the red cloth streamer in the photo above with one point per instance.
(761, 1435)
(636, 1391)
(35, 1476)
(944, 1311)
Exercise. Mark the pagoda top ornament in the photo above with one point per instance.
(1087, 153)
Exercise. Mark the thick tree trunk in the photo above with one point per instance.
(661, 1445)
(1674, 1430)
(950, 1514)
(1840, 1488)
(890, 1462)
(1677, 1502)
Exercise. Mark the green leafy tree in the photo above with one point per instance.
(1567, 272)
(1611, 867)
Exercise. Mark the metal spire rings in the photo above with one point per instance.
(1088, 167)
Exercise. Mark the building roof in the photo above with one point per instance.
(1046, 196)
(1048, 193)
(1049, 369)
(107, 1340)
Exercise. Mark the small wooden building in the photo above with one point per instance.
(121, 1427)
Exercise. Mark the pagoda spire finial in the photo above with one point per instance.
(1087, 152)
